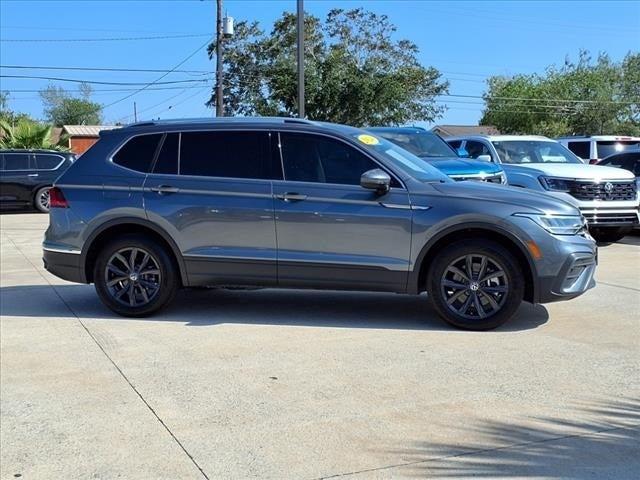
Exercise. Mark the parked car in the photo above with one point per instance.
(607, 197)
(432, 148)
(297, 204)
(27, 175)
(627, 160)
(595, 148)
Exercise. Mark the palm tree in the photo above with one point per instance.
(29, 135)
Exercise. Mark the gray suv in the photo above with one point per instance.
(291, 203)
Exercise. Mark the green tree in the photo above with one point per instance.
(585, 97)
(61, 108)
(355, 73)
(7, 114)
(28, 134)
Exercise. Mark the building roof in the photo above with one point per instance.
(86, 130)
(452, 130)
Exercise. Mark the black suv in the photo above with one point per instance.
(27, 175)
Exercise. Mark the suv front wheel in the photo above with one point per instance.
(475, 284)
(134, 276)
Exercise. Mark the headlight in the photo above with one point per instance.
(555, 184)
(557, 224)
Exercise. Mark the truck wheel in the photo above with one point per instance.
(475, 284)
(134, 276)
(609, 235)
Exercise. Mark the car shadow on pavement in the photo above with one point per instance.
(259, 307)
(598, 439)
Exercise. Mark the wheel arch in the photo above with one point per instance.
(417, 278)
(101, 235)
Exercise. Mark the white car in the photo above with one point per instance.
(595, 148)
(606, 196)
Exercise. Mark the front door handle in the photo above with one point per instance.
(33, 175)
(165, 189)
(291, 197)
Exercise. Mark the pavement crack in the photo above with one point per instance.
(481, 450)
(115, 365)
(619, 286)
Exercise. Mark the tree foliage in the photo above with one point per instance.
(355, 72)
(582, 98)
(62, 108)
(28, 134)
(7, 114)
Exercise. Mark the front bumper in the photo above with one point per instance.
(66, 265)
(575, 278)
(611, 217)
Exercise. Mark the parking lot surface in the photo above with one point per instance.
(303, 384)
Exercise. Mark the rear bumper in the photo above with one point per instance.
(66, 265)
(574, 279)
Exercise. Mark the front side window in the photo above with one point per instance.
(314, 158)
(225, 154)
(137, 154)
(581, 149)
(48, 162)
(533, 151)
(475, 149)
(16, 161)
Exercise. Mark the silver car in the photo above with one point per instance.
(291, 203)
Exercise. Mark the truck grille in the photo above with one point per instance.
(478, 178)
(608, 218)
(607, 191)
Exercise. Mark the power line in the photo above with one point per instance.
(103, 69)
(113, 39)
(105, 90)
(98, 82)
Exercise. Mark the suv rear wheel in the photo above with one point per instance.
(134, 276)
(41, 199)
(475, 284)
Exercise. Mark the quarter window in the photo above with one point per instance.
(48, 162)
(312, 158)
(137, 154)
(225, 154)
(581, 149)
(16, 161)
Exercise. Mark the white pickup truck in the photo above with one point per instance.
(606, 196)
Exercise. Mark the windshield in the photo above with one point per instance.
(401, 158)
(422, 144)
(533, 151)
(609, 148)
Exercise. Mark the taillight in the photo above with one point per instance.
(56, 198)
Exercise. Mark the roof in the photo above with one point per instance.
(86, 130)
(453, 130)
(406, 130)
(502, 138)
(605, 138)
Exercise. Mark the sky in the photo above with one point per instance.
(467, 41)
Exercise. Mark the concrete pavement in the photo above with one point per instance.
(299, 384)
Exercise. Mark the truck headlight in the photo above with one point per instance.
(555, 184)
(557, 224)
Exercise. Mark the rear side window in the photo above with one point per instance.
(167, 162)
(581, 149)
(137, 154)
(48, 162)
(313, 158)
(16, 161)
(225, 154)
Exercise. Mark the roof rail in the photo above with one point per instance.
(148, 123)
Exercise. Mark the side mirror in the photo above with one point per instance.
(484, 158)
(377, 180)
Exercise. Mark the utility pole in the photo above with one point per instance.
(135, 112)
(300, 59)
(219, 37)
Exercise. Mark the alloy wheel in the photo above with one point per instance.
(132, 277)
(43, 199)
(474, 286)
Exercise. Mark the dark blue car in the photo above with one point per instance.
(437, 152)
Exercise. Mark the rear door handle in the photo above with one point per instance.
(291, 197)
(165, 189)
(33, 175)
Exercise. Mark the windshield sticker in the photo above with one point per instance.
(368, 139)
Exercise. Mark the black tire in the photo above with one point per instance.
(609, 235)
(499, 296)
(41, 199)
(150, 299)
